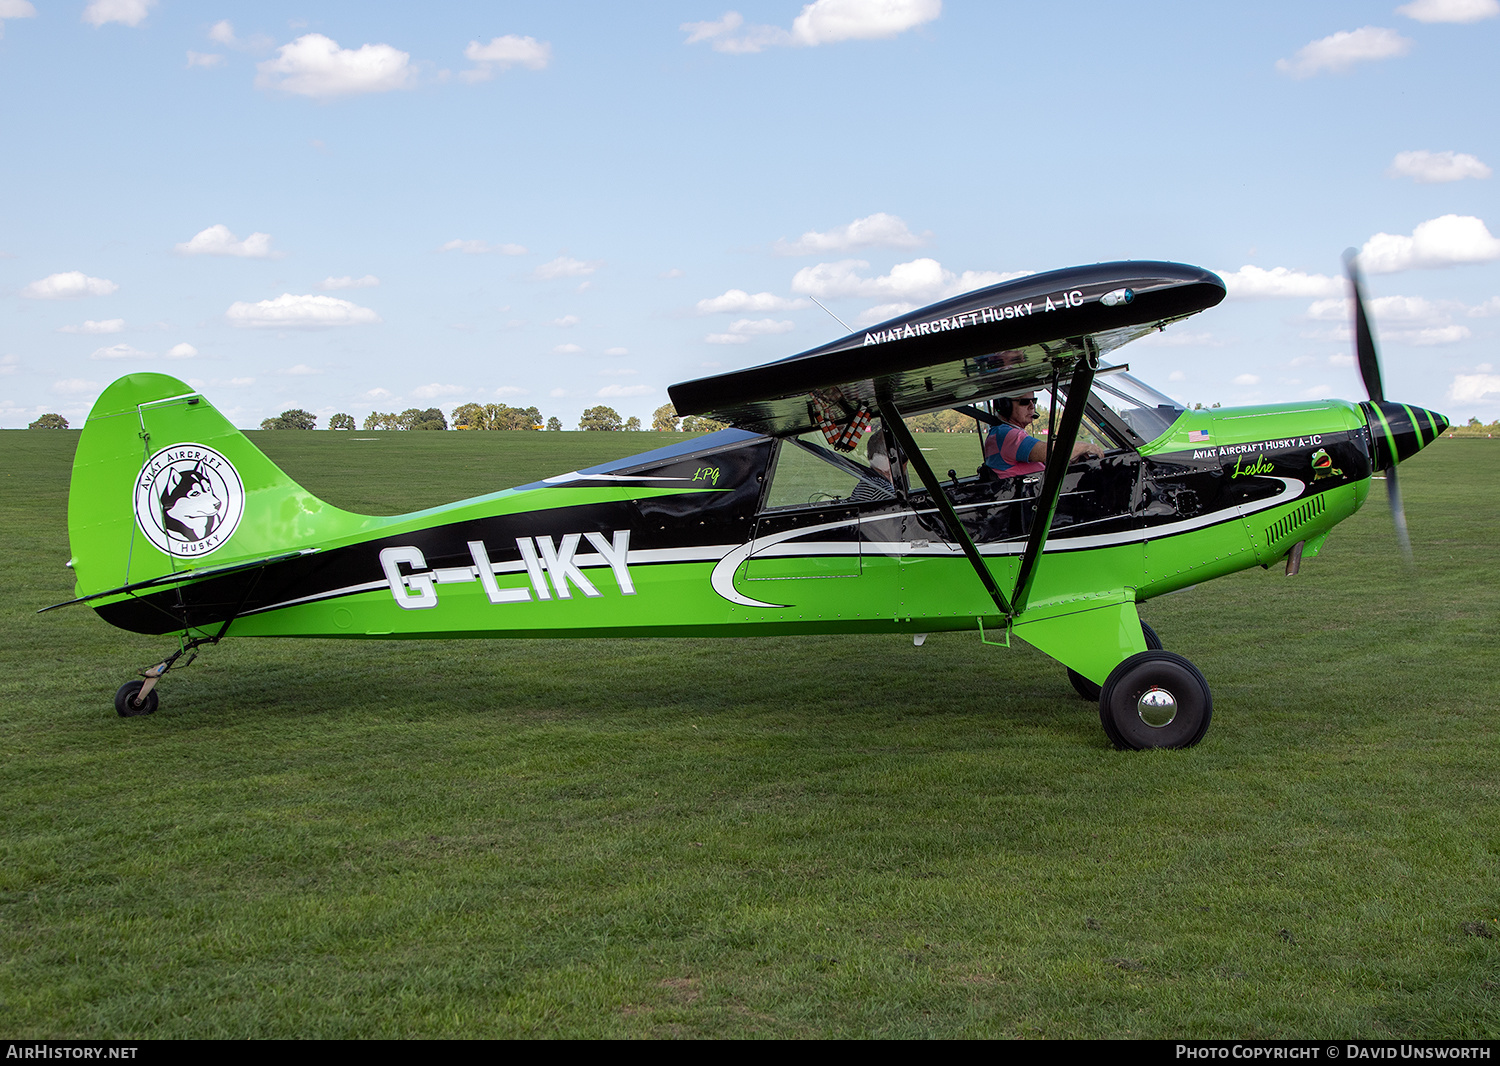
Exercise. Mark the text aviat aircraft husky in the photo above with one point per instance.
(784, 523)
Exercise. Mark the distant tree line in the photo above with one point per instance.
(471, 416)
(411, 418)
(296, 418)
(495, 416)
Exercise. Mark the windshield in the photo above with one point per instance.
(1147, 412)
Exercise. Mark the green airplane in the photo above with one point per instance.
(816, 512)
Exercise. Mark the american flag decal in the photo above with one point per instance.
(1197, 436)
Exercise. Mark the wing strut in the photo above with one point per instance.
(1059, 455)
(896, 425)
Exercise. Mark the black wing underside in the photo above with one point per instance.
(1009, 338)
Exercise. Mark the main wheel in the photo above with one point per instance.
(1155, 699)
(125, 705)
(1090, 691)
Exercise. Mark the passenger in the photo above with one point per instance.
(1010, 451)
(880, 486)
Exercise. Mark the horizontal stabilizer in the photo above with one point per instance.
(183, 577)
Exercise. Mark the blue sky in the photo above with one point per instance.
(356, 207)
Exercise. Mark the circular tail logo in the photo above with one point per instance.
(188, 500)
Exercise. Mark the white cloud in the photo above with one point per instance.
(109, 325)
(1429, 168)
(920, 280)
(1177, 375)
(1450, 10)
(1435, 335)
(625, 390)
(482, 247)
(301, 370)
(314, 65)
(67, 286)
(129, 12)
(119, 351)
(558, 393)
(873, 231)
(502, 53)
(369, 281)
(675, 272)
(1341, 359)
(436, 391)
(617, 351)
(16, 9)
(222, 32)
(760, 326)
(1405, 310)
(510, 390)
(1252, 281)
(821, 22)
(1399, 319)
(217, 240)
(567, 320)
(708, 31)
(564, 267)
(240, 383)
(181, 351)
(567, 349)
(74, 386)
(9, 363)
(880, 312)
(738, 300)
(204, 59)
(829, 21)
(299, 312)
(1247, 379)
(1488, 309)
(743, 329)
(1475, 389)
(1438, 242)
(1339, 52)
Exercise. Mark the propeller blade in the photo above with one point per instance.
(1364, 339)
(1398, 515)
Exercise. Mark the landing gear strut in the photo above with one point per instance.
(136, 698)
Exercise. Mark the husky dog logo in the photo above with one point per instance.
(188, 500)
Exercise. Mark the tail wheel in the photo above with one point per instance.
(1155, 699)
(1090, 691)
(125, 705)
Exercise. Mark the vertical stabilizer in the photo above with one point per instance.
(162, 483)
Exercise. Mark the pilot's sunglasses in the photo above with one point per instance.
(1029, 403)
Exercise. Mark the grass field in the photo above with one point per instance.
(840, 836)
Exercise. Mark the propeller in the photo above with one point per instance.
(1369, 371)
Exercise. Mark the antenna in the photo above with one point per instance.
(831, 315)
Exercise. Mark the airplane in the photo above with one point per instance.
(815, 511)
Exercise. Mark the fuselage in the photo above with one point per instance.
(705, 537)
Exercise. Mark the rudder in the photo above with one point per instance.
(162, 482)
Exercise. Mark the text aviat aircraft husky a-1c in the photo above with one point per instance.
(815, 513)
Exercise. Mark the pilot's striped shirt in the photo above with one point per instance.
(1006, 450)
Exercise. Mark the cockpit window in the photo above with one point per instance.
(1146, 412)
(808, 472)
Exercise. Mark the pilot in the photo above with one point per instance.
(1010, 451)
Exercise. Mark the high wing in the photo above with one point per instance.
(1008, 338)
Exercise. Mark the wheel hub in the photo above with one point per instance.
(1157, 707)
